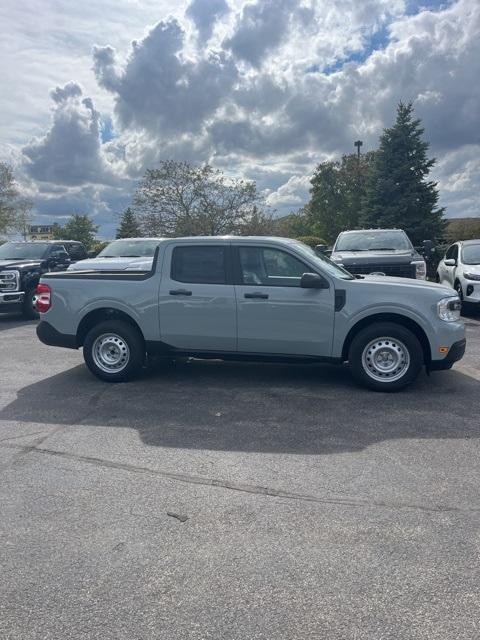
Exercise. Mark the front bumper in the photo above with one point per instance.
(455, 353)
(471, 291)
(11, 301)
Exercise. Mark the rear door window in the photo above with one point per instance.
(199, 264)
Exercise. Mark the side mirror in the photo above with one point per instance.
(450, 262)
(313, 281)
(321, 248)
(59, 257)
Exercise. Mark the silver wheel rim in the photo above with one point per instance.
(385, 359)
(110, 353)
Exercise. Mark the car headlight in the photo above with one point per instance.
(448, 309)
(471, 276)
(420, 269)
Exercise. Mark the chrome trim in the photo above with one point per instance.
(17, 296)
(4, 280)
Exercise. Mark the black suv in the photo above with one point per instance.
(22, 264)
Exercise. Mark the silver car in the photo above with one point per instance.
(121, 255)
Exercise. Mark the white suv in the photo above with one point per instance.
(460, 268)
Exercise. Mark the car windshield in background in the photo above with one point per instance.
(23, 251)
(129, 249)
(373, 241)
(323, 262)
(471, 254)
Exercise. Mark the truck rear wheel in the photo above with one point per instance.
(385, 357)
(114, 351)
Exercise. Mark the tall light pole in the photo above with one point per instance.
(358, 144)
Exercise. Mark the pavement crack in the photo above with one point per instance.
(240, 487)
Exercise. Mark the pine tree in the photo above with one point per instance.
(398, 194)
(129, 227)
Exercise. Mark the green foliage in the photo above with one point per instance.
(462, 229)
(293, 225)
(8, 196)
(337, 191)
(78, 227)
(311, 241)
(398, 193)
(98, 246)
(129, 226)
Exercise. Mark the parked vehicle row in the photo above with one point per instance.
(254, 298)
(22, 264)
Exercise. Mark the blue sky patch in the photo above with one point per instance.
(106, 129)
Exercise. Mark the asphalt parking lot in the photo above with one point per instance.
(235, 501)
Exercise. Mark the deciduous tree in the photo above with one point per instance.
(179, 199)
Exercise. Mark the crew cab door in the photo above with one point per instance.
(197, 309)
(274, 314)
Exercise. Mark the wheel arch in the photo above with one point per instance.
(100, 315)
(396, 318)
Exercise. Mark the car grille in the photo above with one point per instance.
(397, 270)
(8, 281)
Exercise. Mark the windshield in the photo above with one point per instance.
(23, 251)
(323, 262)
(129, 249)
(373, 241)
(471, 254)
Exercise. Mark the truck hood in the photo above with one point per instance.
(20, 264)
(352, 258)
(112, 264)
(410, 283)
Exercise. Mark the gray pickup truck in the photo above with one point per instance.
(254, 298)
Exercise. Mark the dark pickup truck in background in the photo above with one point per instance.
(22, 264)
(387, 252)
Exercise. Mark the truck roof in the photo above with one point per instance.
(368, 230)
(231, 238)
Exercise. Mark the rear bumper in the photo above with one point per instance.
(49, 335)
(455, 353)
(11, 301)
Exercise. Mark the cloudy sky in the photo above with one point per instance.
(92, 93)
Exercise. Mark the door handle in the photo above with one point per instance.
(264, 296)
(180, 292)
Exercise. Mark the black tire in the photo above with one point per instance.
(121, 337)
(400, 344)
(28, 307)
(459, 290)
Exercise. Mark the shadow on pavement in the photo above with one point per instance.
(254, 407)
(13, 320)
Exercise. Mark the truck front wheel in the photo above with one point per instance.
(385, 356)
(114, 351)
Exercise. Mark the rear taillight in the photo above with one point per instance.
(44, 298)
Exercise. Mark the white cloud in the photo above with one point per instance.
(279, 87)
(70, 153)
